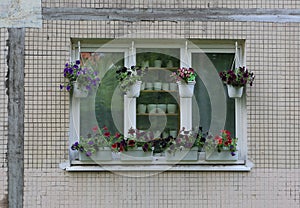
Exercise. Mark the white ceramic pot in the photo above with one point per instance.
(157, 85)
(151, 108)
(161, 108)
(235, 92)
(173, 86)
(157, 63)
(79, 91)
(142, 108)
(165, 86)
(173, 133)
(134, 90)
(171, 108)
(186, 90)
(149, 86)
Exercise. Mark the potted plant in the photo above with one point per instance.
(221, 147)
(137, 147)
(79, 81)
(130, 80)
(236, 80)
(96, 146)
(185, 78)
(185, 146)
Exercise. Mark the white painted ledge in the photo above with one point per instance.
(117, 166)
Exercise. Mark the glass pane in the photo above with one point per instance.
(216, 110)
(157, 106)
(106, 104)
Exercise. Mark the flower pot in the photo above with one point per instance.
(157, 85)
(136, 155)
(134, 90)
(183, 155)
(161, 108)
(165, 86)
(186, 90)
(79, 91)
(234, 92)
(151, 108)
(173, 86)
(224, 155)
(157, 63)
(149, 86)
(141, 108)
(103, 154)
(171, 108)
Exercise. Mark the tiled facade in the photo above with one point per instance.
(273, 103)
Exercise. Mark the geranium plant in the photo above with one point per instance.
(239, 77)
(184, 74)
(95, 141)
(222, 142)
(136, 138)
(86, 78)
(129, 76)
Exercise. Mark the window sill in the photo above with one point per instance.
(157, 165)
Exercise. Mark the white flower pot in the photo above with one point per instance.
(186, 90)
(136, 155)
(224, 155)
(142, 108)
(103, 154)
(183, 155)
(171, 108)
(235, 92)
(134, 90)
(79, 91)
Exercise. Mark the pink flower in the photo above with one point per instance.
(105, 128)
(95, 129)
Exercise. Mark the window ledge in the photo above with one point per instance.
(240, 165)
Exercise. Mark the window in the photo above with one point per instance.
(210, 106)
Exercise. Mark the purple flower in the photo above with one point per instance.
(67, 64)
(90, 142)
(68, 88)
(145, 147)
(233, 153)
(77, 62)
(88, 153)
(61, 87)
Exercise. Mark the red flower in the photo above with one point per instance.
(105, 128)
(131, 143)
(95, 129)
(114, 146)
(121, 148)
(117, 135)
(107, 134)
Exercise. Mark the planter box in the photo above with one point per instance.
(184, 155)
(136, 155)
(101, 155)
(224, 155)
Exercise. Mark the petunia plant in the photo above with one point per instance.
(129, 76)
(86, 78)
(184, 74)
(136, 138)
(239, 77)
(95, 141)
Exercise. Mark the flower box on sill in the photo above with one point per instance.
(224, 155)
(104, 154)
(136, 155)
(183, 155)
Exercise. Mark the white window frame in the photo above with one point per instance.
(129, 48)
